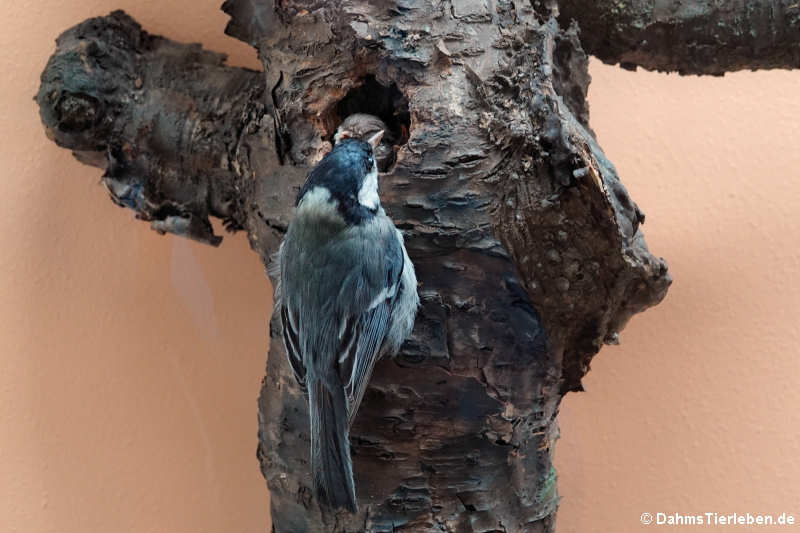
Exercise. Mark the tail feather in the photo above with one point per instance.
(331, 465)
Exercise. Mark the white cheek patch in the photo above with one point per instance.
(368, 193)
(316, 198)
(317, 203)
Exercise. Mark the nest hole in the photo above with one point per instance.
(385, 102)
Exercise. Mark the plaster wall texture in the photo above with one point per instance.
(130, 363)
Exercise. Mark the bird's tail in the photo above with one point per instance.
(331, 465)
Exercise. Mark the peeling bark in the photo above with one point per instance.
(526, 245)
(180, 135)
(689, 37)
(528, 248)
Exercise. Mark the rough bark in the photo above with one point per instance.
(527, 246)
(180, 135)
(690, 37)
(510, 208)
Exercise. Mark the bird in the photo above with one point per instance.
(362, 126)
(347, 295)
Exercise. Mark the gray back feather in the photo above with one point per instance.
(348, 295)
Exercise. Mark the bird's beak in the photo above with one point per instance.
(375, 139)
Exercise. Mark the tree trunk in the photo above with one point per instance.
(528, 248)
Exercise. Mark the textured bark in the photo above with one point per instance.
(690, 37)
(180, 135)
(527, 246)
(510, 208)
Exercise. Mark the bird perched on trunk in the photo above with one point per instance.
(348, 295)
(363, 126)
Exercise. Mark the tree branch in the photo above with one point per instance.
(565, 214)
(515, 220)
(689, 36)
(173, 127)
(527, 247)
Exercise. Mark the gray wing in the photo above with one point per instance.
(291, 340)
(364, 335)
(354, 311)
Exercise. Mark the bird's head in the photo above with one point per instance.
(359, 126)
(346, 179)
(363, 126)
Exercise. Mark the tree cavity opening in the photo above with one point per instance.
(385, 102)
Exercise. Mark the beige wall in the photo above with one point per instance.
(130, 363)
(699, 409)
